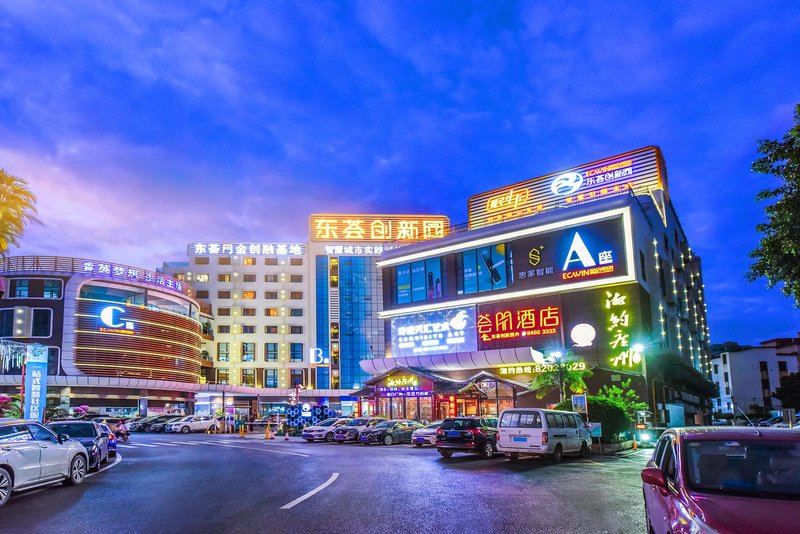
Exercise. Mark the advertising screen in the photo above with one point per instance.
(404, 283)
(434, 332)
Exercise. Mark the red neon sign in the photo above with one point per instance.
(511, 324)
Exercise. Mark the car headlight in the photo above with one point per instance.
(645, 436)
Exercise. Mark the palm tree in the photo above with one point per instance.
(562, 375)
(17, 209)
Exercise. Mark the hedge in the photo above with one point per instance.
(605, 412)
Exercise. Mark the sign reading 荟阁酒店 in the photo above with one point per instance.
(639, 172)
(531, 322)
(381, 228)
(35, 382)
(434, 332)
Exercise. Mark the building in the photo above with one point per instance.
(747, 377)
(121, 339)
(588, 266)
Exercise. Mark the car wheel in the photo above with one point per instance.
(185, 430)
(213, 428)
(112, 454)
(418, 444)
(514, 457)
(329, 437)
(488, 449)
(557, 454)
(388, 440)
(77, 471)
(445, 453)
(5, 486)
(584, 450)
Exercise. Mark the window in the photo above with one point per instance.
(643, 265)
(782, 366)
(296, 261)
(270, 329)
(249, 351)
(295, 278)
(296, 295)
(271, 376)
(716, 369)
(249, 261)
(248, 295)
(248, 329)
(482, 269)
(201, 294)
(763, 366)
(41, 322)
(521, 420)
(201, 278)
(270, 261)
(569, 420)
(248, 312)
(224, 260)
(296, 312)
(201, 260)
(271, 295)
(7, 322)
(224, 277)
(271, 312)
(249, 377)
(295, 329)
(271, 352)
(20, 288)
(52, 289)
(668, 462)
(727, 390)
(724, 359)
(658, 453)
(223, 294)
(296, 377)
(296, 352)
(223, 376)
(224, 312)
(271, 278)
(223, 352)
(223, 329)
(418, 281)
(248, 278)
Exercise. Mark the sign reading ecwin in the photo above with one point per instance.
(35, 382)
(434, 332)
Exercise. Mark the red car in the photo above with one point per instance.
(708, 479)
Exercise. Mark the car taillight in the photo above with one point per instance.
(545, 438)
(439, 433)
(111, 436)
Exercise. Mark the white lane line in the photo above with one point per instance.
(117, 460)
(255, 449)
(311, 493)
(125, 445)
(145, 445)
(165, 444)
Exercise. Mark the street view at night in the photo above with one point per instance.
(399, 266)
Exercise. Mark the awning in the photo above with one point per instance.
(480, 359)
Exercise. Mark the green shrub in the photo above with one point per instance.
(607, 413)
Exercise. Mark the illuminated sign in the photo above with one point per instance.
(434, 332)
(317, 359)
(540, 368)
(515, 322)
(243, 249)
(582, 334)
(109, 317)
(382, 228)
(619, 324)
(132, 274)
(639, 172)
(409, 380)
(405, 386)
(357, 250)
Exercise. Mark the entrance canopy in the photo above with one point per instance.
(480, 359)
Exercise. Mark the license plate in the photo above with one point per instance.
(454, 434)
(518, 438)
(419, 439)
(363, 438)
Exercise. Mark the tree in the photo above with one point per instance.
(777, 256)
(17, 209)
(608, 413)
(789, 391)
(560, 376)
(625, 397)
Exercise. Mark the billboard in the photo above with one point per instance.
(434, 332)
(35, 382)
(529, 322)
(380, 228)
(639, 172)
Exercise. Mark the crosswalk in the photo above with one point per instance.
(183, 443)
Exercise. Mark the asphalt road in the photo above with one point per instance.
(198, 483)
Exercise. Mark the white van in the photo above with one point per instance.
(540, 432)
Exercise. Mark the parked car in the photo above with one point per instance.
(426, 434)
(540, 432)
(88, 434)
(32, 455)
(350, 431)
(140, 424)
(160, 423)
(477, 435)
(112, 440)
(769, 421)
(389, 432)
(707, 479)
(324, 429)
(192, 423)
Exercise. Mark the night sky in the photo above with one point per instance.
(143, 128)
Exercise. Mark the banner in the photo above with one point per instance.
(35, 382)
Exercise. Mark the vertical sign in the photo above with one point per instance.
(579, 403)
(35, 382)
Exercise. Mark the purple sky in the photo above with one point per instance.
(145, 127)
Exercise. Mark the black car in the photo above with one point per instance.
(90, 435)
(160, 423)
(477, 435)
(388, 432)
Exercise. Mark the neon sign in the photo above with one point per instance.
(109, 317)
(511, 324)
(409, 380)
(541, 368)
(619, 323)
(510, 200)
(377, 227)
(132, 274)
(241, 249)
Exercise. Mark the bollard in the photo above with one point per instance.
(267, 434)
(242, 431)
(634, 442)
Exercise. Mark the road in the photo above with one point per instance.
(198, 483)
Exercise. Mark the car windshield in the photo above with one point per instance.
(435, 424)
(457, 424)
(182, 419)
(326, 422)
(761, 468)
(386, 424)
(358, 422)
(75, 430)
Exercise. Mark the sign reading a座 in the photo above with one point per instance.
(382, 228)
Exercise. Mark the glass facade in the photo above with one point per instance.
(323, 323)
(361, 331)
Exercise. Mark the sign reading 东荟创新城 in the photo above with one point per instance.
(638, 172)
(35, 382)
(382, 228)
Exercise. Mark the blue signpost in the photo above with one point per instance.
(35, 386)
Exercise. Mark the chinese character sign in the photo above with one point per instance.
(246, 249)
(519, 323)
(35, 382)
(383, 228)
(434, 332)
(618, 311)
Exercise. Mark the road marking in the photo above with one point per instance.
(117, 460)
(311, 493)
(256, 449)
(127, 446)
(145, 445)
(165, 444)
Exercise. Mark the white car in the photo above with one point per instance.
(324, 430)
(31, 455)
(539, 432)
(192, 423)
(426, 434)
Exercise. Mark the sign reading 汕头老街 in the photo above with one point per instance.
(35, 382)
(434, 332)
(242, 249)
(380, 228)
(640, 172)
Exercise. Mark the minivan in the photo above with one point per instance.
(540, 432)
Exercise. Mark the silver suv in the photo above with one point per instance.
(31, 455)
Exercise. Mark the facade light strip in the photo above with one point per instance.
(145, 352)
(143, 307)
(136, 367)
(138, 337)
(160, 325)
(625, 212)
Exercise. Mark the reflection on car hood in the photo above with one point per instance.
(735, 514)
(86, 442)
